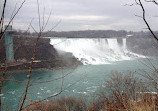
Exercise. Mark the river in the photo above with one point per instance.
(100, 58)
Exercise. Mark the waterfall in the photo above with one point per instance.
(113, 44)
(124, 44)
(94, 51)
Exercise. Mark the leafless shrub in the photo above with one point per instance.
(124, 92)
(62, 104)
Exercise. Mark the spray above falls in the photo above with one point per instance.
(96, 50)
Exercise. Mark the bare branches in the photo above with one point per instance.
(129, 4)
(55, 25)
(56, 94)
(152, 1)
(138, 16)
(1, 36)
(35, 82)
(139, 2)
(2, 16)
(41, 29)
(30, 72)
(39, 17)
(155, 2)
(43, 17)
(44, 26)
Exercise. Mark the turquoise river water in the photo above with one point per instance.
(85, 80)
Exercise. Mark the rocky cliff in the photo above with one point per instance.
(45, 56)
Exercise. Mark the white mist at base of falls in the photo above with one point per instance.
(94, 51)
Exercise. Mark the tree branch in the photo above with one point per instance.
(144, 18)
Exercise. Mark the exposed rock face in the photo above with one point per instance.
(45, 56)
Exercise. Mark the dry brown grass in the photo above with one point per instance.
(62, 104)
(146, 103)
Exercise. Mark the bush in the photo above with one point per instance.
(62, 104)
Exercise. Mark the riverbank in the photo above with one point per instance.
(18, 70)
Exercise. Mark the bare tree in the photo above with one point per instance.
(42, 22)
(2, 31)
(152, 77)
(139, 3)
(143, 16)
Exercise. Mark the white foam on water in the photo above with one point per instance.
(48, 91)
(39, 93)
(1, 94)
(96, 50)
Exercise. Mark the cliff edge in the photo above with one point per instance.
(46, 57)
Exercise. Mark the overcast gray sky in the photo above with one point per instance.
(83, 14)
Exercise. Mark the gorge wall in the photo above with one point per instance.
(45, 57)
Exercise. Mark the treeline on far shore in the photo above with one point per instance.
(86, 33)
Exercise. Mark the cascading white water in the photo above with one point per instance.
(124, 44)
(113, 44)
(94, 51)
